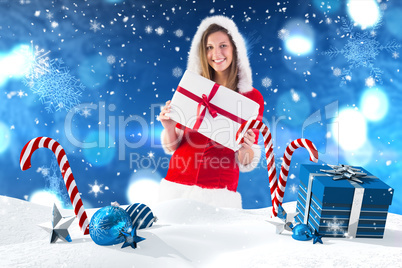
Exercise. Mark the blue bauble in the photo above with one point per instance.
(107, 224)
(302, 232)
(141, 215)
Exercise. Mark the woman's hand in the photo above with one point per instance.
(167, 123)
(170, 139)
(246, 153)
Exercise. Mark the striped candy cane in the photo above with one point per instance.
(55, 147)
(287, 157)
(269, 149)
(277, 188)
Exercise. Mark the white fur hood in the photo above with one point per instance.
(194, 64)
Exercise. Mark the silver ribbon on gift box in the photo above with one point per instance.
(352, 175)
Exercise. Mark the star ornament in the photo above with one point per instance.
(283, 221)
(317, 237)
(58, 227)
(131, 238)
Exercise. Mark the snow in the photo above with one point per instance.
(188, 234)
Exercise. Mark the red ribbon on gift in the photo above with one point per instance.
(206, 101)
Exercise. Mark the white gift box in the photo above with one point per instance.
(195, 93)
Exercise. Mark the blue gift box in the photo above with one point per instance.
(344, 207)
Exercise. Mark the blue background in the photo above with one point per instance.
(128, 57)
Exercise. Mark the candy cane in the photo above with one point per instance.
(287, 157)
(55, 147)
(269, 150)
(277, 188)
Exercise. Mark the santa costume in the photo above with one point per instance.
(201, 169)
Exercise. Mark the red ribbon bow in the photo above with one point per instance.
(205, 101)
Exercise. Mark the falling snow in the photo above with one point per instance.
(160, 30)
(179, 33)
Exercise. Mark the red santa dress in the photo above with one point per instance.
(201, 169)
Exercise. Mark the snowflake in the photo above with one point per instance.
(336, 226)
(337, 72)
(395, 55)
(49, 15)
(295, 95)
(370, 82)
(179, 33)
(54, 85)
(160, 30)
(148, 29)
(266, 82)
(361, 50)
(94, 26)
(293, 188)
(100, 225)
(151, 154)
(283, 34)
(95, 188)
(177, 72)
(111, 59)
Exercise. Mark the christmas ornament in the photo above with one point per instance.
(107, 225)
(277, 186)
(58, 227)
(303, 232)
(131, 238)
(141, 215)
(57, 149)
(283, 221)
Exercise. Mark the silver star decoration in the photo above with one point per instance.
(58, 227)
(283, 221)
(341, 172)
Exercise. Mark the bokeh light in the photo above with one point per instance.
(300, 40)
(16, 63)
(295, 106)
(364, 13)
(374, 104)
(103, 153)
(45, 198)
(361, 157)
(351, 130)
(144, 187)
(393, 20)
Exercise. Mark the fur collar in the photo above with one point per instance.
(194, 64)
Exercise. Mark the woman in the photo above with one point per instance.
(201, 169)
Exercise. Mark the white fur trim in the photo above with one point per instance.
(194, 63)
(216, 197)
(256, 159)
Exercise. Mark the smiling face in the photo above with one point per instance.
(219, 52)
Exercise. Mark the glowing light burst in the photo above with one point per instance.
(95, 188)
(361, 50)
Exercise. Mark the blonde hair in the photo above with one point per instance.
(206, 70)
